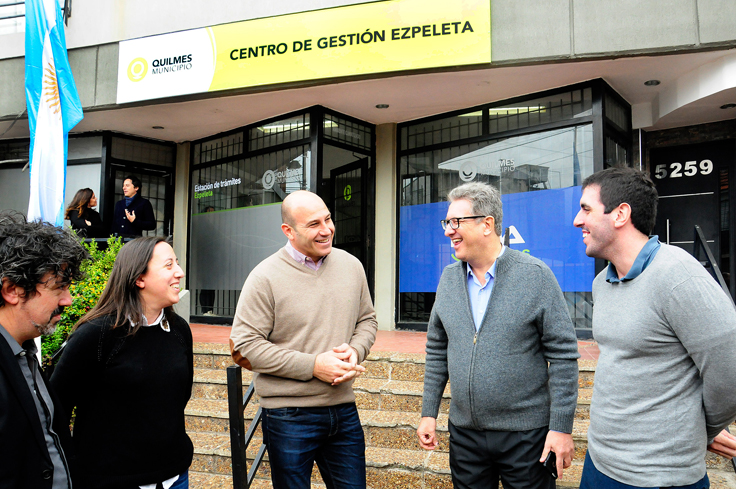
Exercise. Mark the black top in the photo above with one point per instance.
(24, 457)
(130, 393)
(145, 220)
(94, 230)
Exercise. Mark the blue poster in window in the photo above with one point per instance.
(540, 224)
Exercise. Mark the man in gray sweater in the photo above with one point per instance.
(664, 385)
(500, 331)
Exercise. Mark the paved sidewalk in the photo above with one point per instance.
(398, 341)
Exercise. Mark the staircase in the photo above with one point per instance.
(389, 399)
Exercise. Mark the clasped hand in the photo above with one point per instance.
(724, 445)
(338, 366)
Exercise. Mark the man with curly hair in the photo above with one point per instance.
(38, 261)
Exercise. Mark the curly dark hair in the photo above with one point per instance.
(30, 250)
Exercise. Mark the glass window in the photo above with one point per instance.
(142, 152)
(551, 108)
(12, 17)
(615, 154)
(14, 151)
(348, 132)
(539, 176)
(236, 213)
(616, 113)
(279, 132)
(218, 148)
(443, 130)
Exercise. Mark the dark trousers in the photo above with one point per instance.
(479, 458)
(331, 436)
(595, 479)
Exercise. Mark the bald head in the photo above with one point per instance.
(297, 200)
(308, 224)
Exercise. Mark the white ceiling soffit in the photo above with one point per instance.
(709, 85)
(693, 87)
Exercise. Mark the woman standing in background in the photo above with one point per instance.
(85, 220)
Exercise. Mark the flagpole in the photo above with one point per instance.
(53, 107)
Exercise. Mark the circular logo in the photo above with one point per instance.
(269, 178)
(137, 69)
(348, 192)
(468, 171)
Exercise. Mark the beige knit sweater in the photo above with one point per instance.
(288, 314)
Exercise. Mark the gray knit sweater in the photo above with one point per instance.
(665, 383)
(500, 378)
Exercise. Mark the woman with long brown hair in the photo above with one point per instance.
(128, 369)
(85, 220)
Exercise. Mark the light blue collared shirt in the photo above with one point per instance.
(642, 261)
(302, 258)
(481, 294)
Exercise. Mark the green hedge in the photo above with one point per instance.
(85, 294)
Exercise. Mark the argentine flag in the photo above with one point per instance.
(53, 108)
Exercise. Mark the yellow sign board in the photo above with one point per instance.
(394, 35)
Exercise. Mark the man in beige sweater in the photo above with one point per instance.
(303, 324)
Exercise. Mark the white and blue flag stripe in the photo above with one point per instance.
(53, 108)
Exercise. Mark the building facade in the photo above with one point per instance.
(223, 108)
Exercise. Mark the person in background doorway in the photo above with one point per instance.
(664, 383)
(133, 214)
(37, 263)
(128, 370)
(85, 220)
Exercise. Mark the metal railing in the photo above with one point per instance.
(239, 438)
(710, 263)
(701, 245)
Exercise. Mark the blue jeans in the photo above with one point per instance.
(182, 482)
(331, 436)
(595, 479)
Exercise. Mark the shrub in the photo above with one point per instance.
(85, 294)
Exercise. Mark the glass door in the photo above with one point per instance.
(349, 208)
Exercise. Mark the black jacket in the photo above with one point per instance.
(145, 220)
(24, 458)
(94, 230)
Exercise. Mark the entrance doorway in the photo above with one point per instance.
(694, 183)
(239, 179)
(349, 205)
(347, 189)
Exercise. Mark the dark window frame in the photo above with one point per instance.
(602, 128)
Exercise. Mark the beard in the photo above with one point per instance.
(50, 326)
(45, 329)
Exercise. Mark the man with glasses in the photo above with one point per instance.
(500, 331)
(37, 263)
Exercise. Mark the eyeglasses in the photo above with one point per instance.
(454, 223)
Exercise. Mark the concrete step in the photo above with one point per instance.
(212, 456)
(407, 367)
(203, 480)
(372, 393)
(383, 429)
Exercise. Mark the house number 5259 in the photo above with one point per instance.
(677, 170)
